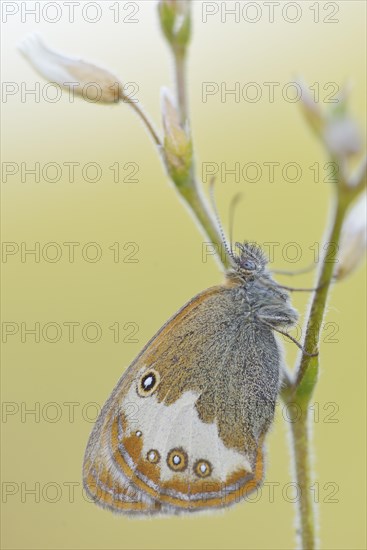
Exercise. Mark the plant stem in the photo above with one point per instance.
(302, 466)
(144, 118)
(300, 391)
(307, 373)
(180, 66)
(197, 204)
(191, 191)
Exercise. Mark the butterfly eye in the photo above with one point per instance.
(148, 383)
(177, 460)
(249, 265)
(203, 468)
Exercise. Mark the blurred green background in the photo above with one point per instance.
(61, 381)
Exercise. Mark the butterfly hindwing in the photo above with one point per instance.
(183, 429)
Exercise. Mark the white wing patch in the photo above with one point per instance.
(178, 426)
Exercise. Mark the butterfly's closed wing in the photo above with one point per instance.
(184, 426)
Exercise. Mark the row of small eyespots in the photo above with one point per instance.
(177, 461)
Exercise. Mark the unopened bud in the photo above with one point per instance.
(68, 71)
(353, 240)
(175, 21)
(342, 136)
(177, 143)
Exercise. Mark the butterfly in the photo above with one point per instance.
(184, 428)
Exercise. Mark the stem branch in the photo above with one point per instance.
(144, 118)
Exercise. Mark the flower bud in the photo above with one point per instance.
(175, 21)
(177, 143)
(71, 72)
(353, 240)
(342, 136)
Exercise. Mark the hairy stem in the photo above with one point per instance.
(300, 391)
(307, 373)
(301, 454)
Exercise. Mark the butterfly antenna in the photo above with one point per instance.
(232, 209)
(217, 218)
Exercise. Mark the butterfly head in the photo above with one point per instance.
(250, 260)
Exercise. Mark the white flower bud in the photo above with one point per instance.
(342, 136)
(353, 240)
(71, 73)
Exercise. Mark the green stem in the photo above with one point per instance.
(197, 203)
(308, 368)
(300, 391)
(191, 191)
(180, 71)
(301, 456)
